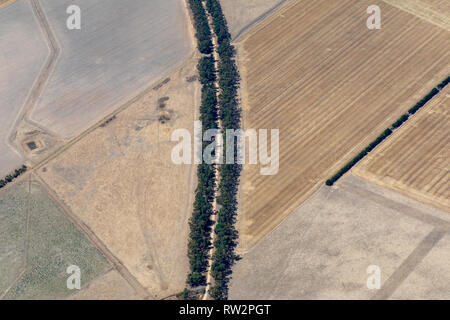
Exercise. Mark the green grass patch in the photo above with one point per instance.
(54, 244)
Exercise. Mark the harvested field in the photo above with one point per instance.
(120, 181)
(434, 11)
(323, 249)
(241, 15)
(122, 47)
(110, 286)
(38, 244)
(330, 85)
(416, 159)
(19, 35)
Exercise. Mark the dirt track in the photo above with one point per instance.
(206, 296)
(42, 79)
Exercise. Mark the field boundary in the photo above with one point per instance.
(395, 126)
(92, 237)
(259, 19)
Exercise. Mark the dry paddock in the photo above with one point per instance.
(416, 160)
(314, 71)
(323, 249)
(119, 180)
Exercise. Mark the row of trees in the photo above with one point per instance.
(200, 222)
(423, 101)
(389, 131)
(359, 157)
(202, 30)
(10, 177)
(230, 116)
(444, 83)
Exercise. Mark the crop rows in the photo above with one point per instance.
(331, 86)
(388, 132)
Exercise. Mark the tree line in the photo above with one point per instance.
(202, 30)
(388, 131)
(230, 116)
(10, 177)
(200, 223)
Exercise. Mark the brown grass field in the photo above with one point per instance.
(416, 160)
(119, 180)
(110, 286)
(330, 85)
(434, 11)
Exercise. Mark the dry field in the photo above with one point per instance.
(314, 71)
(19, 35)
(121, 47)
(323, 249)
(434, 11)
(416, 160)
(241, 15)
(110, 286)
(120, 181)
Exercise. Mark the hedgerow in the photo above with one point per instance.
(202, 30)
(389, 131)
(10, 177)
(230, 116)
(200, 223)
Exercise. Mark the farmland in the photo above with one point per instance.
(323, 249)
(120, 181)
(19, 35)
(433, 11)
(120, 48)
(416, 160)
(110, 286)
(241, 15)
(38, 243)
(314, 71)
